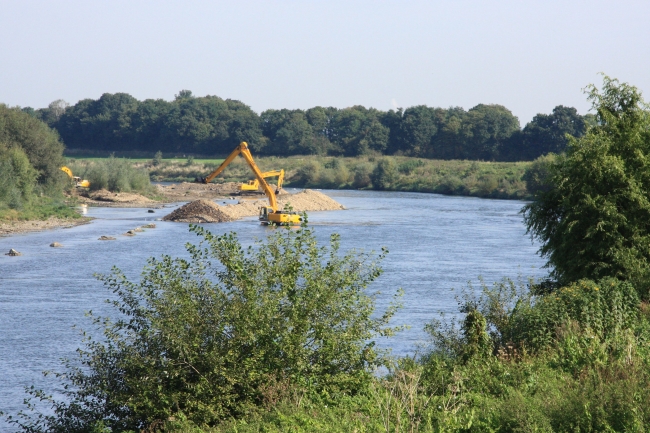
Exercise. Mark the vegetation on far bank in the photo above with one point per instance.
(278, 336)
(213, 126)
(386, 173)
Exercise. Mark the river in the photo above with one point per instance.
(436, 243)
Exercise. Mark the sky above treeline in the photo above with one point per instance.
(526, 55)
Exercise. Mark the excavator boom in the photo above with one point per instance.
(268, 215)
(252, 186)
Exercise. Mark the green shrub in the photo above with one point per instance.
(17, 178)
(384, 175)
(409, 166)
(202, 339)
(308, 174)
(118, 175)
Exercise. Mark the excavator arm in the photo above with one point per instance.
(246, 154)
(67, 171)
(223, 165)
(268, 215)
(253, 185)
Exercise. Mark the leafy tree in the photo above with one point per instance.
(385, 174)
(17, 177)
(199, 339)
(538, 175)
(357, 131)
(448, 143)
(417, 129)
(595, 221)
(40, 143)
(547, 133)
(288, 133)
(487, 129)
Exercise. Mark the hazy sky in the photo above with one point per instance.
(527, 55)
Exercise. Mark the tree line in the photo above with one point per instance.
(211, 125)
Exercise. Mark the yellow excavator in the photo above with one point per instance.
(252, 186)
(268, 214)
(76, 179)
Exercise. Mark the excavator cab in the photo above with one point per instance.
(268, 217)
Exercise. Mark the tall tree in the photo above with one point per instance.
(595, 221)
(548, 132)
(40, 143)
(487, 129)
(417, 129)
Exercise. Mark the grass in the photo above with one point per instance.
(41, 209)
(469, 178)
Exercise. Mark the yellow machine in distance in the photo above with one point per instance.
(268, 214)
(252, 186)
(76, 179)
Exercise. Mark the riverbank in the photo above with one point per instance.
(484, 179)
(18, 227)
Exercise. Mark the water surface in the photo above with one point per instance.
(436, 243)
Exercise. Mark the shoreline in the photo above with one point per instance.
(19, 227)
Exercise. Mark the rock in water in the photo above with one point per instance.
(106, 238)
(56, 245)
(13, 252)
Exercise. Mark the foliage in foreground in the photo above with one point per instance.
(215, 336)
(580, 363)
(595, 219)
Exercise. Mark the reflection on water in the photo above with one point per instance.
(436, 243)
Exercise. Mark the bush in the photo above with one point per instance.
(538, 175)
(40, 143)
(362, 173)
(118, 175)
(308, 174)
(202, 339)
(385, 174)
(17, 178)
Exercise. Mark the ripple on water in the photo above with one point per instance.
(436, 243)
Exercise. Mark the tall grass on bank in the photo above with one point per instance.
(39, 208)
(113, 174)
(389, 173)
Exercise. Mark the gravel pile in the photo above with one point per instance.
(199, 211)
(202, 211)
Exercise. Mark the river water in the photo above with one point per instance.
(436, 244)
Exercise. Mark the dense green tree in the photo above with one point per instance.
(417, 128)
(595, 221)
(357, 131)
(40, 143)
(384, 175)
(17, 177)
(448, 143)
(211, 125)
(104, 124)
(202, 338)
(288, 133)
(487, 129)
(547, 133)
